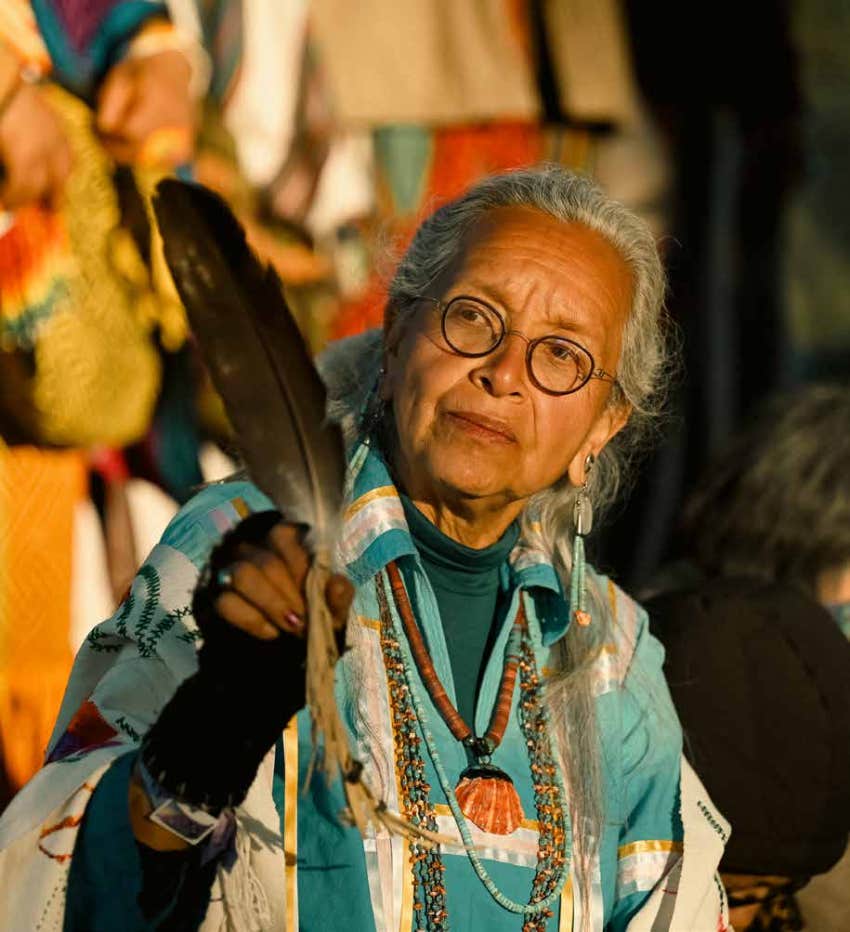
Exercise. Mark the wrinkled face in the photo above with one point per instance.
(478, 427)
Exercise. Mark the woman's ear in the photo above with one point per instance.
(612, 419)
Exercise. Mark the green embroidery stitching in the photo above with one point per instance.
(124, 614)
(151, 578)
(190, 637)
(127, 728)
(709, 817)
(165, 624)
(95, 642)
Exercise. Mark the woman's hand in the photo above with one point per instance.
(264, 592)
(145, 112)
(34, 150)
(251, 608)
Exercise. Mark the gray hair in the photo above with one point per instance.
(775, 504)
(547, 522)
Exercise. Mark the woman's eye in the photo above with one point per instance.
(470, 315)
(561, 353)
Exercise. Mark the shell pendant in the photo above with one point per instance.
(488, 798)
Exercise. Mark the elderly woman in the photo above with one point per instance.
(497, 691)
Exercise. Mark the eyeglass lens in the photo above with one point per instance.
(557, 365)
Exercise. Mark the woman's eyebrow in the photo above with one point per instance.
(563, 321)
(558, 318)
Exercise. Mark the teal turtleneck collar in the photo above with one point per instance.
(467, 584)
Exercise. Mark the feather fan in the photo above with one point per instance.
(275, 400)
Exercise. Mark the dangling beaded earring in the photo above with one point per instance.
(583, 521)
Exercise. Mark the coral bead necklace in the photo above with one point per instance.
(486, 794)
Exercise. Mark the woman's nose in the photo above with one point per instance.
(502, 372)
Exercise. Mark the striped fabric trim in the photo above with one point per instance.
(642, 864)
(519, 848)
(523, 557)
(565, 916)
(375, 510)
(387, 856)
(648, 847)
(290, 820)
(405, 922)
(614, 660)
(370, 520)
(384, 491)
(228, 515)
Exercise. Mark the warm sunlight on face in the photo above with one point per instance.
(478, 428)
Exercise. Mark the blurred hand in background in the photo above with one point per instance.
(34, 152)
(145, 112)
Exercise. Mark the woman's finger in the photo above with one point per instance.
(276, 571)
(116, 97)
(285, 540)
(236, 611)
(251, 583)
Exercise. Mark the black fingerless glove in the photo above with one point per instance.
(211, 737)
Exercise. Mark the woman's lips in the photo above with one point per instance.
(479, 425)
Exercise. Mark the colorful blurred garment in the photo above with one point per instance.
(417, 168)
(78, 309)
(39, 491)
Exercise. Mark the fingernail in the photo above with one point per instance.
(295, 621)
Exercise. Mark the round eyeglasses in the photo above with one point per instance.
(556, 365)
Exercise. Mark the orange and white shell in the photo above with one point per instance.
(492, 803)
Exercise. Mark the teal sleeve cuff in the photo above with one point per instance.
(110, 870)
(106, 877)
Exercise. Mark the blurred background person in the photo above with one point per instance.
(767, 534)
(756, 120)
(775, 504)
(96, 101)
(390, 112)
(760, 677)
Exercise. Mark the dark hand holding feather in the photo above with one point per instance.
(211, 737)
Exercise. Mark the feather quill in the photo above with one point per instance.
(276, 401)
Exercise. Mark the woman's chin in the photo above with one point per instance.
(474, 483)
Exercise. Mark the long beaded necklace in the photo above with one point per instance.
(408, 710)
(486, 794)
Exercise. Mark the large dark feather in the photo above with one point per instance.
(276, 403)
(257, 357)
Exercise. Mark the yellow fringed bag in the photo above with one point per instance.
(76, 293)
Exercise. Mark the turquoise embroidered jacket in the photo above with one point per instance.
(343, 880)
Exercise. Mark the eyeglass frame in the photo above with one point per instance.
(594, 373)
